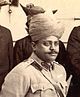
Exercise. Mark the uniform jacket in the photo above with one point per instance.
(73, 48)
(6, 52)
(27, 80)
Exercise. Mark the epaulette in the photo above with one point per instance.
(28, 62)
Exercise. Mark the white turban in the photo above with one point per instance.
(42, 26)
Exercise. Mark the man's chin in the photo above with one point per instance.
(53, 55)
(51, 59)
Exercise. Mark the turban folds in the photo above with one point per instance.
(42, 25)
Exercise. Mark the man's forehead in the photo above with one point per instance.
(50, 38)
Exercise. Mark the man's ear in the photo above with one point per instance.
(34, 46)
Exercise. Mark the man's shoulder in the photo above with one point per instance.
(23, 40)
(76, 29)
(25, 63)
(75, 33)
(59, 66)
(22, 67)
(4, 28)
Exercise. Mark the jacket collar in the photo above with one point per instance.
(41, 64)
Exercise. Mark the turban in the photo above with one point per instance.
(31, 9)
(42, 25)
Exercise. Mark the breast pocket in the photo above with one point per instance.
(37, 87)
(43, 89)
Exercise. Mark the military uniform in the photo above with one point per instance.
(31, 79)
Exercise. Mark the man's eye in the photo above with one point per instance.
(56, 43)
(46, 43)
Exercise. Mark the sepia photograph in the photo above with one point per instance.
(39, 48)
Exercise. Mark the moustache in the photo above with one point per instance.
(53, 52)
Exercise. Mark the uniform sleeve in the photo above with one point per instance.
(73, 48)
(15, 85)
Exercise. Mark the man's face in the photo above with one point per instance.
(47, 49)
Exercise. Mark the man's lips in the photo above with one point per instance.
(52, 53)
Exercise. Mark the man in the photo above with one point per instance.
(6, 49)
(73, 48)
(40, 75)
(6, 53)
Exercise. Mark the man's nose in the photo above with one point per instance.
(52, 46)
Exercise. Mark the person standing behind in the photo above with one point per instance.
(6, 49)
(73, 49)
(22, 50)
(40, 75)
(6, 53)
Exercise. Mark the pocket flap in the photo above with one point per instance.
(41, 87)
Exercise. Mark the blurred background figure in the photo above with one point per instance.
(22, 50)
(73, 48)
(6, 53)
(6, 49)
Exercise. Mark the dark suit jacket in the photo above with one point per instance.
(73, 49)
(6, 52)
(62, 54)
(22, 50)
